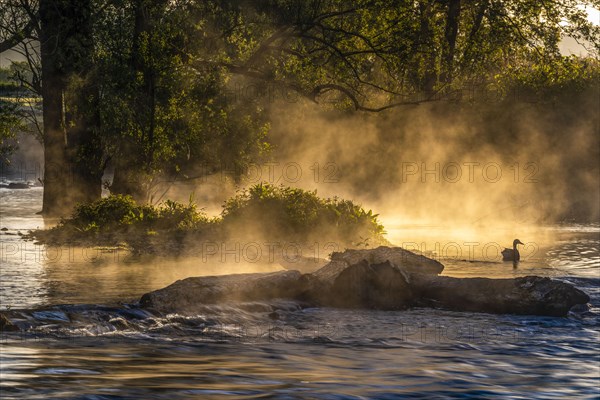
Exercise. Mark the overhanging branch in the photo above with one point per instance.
(18, 36)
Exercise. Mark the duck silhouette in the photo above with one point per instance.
(512, 254)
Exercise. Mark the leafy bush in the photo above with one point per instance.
(173, 215)
(262, 211)
(276, 212)
(119, 213)
(109, 213)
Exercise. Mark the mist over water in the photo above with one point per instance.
(89, 338)
(448, 184)
(503, 163)
(456, 179)
(509, 163)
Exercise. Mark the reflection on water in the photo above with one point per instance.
(371, 354)
(184, 371)
(34, 275)
(554, 251)
(92, 350)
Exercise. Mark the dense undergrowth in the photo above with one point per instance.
(262, 213)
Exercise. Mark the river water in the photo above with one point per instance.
(88, 339)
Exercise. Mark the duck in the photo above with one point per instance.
(512, 254)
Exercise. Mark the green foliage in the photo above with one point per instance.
(106, 214)
(368, 53)
(119, 213)
(11, 121)
(162, 70)
(11, 112)
(560, 79)
(284, 213)
(165, 82)
(165, 113)
(173, 215)
(261, 212)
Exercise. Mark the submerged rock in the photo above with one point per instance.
(18, 185)
(384, 278)
(6, 324)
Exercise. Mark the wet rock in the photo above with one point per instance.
(381, 286)
(580, 309)
(406, 260)
(383, 278)
(6, 324)
(190, 293)
(50, 315)
(302, 264)
(119, 323)
(368, 278)
(18, 185)
(531, 295)
(330, 272)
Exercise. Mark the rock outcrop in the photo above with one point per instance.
(407, 260)
(188, 294)
(384, 278)
(377, 286)
(302, 264)
(527, 295)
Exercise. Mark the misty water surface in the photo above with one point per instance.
(114, 351)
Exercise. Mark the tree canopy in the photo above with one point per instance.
(144, 86)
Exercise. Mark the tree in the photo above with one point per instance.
(166, 119)
(142, 84)
(72, 157)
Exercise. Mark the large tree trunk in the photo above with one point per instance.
(72, 149)
(84, 147)
(470, 44)
(56, 166)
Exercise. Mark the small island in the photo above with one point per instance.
(369, 273)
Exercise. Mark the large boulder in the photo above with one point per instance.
(407, 260)
(383, 278)
(381, 286)
(188, 294)
(532, 295)
(303, 264)
(368, 278)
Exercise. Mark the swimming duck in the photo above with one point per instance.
(512, 254)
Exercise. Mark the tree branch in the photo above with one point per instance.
(18, 36)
